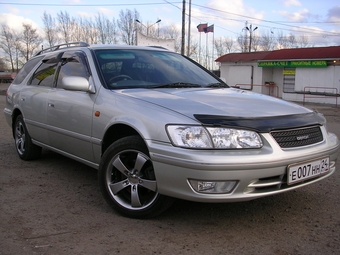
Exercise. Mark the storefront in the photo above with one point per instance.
(302, 74)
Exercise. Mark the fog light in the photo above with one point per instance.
(213, 187)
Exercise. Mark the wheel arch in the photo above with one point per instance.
(116, 132)
(15, 114)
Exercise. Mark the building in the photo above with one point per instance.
(299, 74)
(143, 40)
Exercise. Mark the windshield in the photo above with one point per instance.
(150, 69)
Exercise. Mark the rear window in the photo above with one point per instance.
(26, 69)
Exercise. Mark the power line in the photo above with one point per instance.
(268, 21)
(89, 5)
(295, 29)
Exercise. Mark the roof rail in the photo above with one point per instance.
(64, 45)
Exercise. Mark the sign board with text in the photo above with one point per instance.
(296, 63)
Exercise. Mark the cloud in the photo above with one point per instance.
(230, 14)
(15, 22)
(12, 10)
(300, 16)
(71, 2)
(289, 3)
(334, 14)
(106, 11)
(83, 15)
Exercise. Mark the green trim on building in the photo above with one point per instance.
(296, 63)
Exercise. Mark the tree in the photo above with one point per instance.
(84, 30)
(229, 44)
(3, 66)
(267, 41)
(291, 41)
(91, 33)
(65, 26)
(281, 41)
(193, 52)
(127, 26)
(30, 41)
(50, 29)
(303, 41)
(9, 44)
(100, 22)
(220, 46)
(172, 32)
(243, 43)
(111, 31)
(107, 31)
(255, 42)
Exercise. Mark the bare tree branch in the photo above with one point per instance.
(30, 41)
(127, 26)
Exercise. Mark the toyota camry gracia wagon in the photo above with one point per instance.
(159, 126)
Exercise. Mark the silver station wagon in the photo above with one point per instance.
(158, 126)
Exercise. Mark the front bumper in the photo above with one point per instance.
(258, 173)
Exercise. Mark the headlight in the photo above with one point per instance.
(211, 137)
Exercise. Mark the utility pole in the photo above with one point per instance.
(183, 29)
(251, 30)
(189, 25)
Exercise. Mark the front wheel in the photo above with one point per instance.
(128, 182)
(23, 142)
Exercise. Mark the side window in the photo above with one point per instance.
(26, 69)
(44, 75)
(75, 65)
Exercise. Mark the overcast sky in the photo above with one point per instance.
(319, 20)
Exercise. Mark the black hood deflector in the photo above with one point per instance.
(263, 124)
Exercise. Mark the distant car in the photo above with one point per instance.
(6, 77)
(158, 126)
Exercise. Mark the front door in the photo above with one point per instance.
(70, 113)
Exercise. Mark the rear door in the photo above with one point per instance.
(33, 100)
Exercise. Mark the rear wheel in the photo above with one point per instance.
(23, 142)
(128, 182)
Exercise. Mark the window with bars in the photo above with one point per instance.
(289, 80)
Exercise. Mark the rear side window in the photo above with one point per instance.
(26, 69)
(44, 75)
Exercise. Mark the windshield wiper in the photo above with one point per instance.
(177, 85)
(217, 85)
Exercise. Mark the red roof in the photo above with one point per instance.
(332, 52)
(244, 56)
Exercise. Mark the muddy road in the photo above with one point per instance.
(54, 206)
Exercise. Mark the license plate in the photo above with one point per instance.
(302, 171)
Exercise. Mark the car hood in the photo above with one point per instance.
(221, 102)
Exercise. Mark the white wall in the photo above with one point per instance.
(237, 74)
(328, 77)
(240, 73)
(143, 40)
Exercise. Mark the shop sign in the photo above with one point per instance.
(288, 72)
(296, 63)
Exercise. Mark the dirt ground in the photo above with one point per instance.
(54, 206)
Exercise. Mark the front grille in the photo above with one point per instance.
(298, 137)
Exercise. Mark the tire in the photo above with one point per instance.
(23, 142)
(128, 182)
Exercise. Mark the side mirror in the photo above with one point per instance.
(76, 83)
